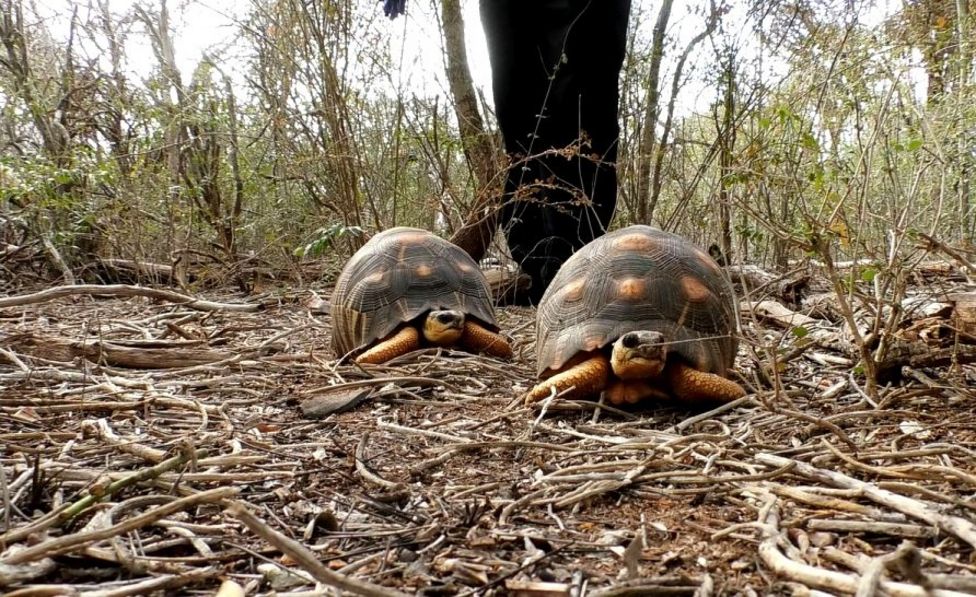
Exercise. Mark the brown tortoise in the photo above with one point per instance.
(637, 313)
(407, 288)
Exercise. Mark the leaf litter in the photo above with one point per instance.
(268, 469)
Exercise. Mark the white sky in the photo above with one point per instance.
(202, 25)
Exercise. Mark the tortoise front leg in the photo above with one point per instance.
(586, 378)
(478, 339)
(688, 383)
(400, 343)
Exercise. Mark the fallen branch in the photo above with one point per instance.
(905, 559)
(862, 564)
(57, 260)
(954, 525)
(116, 354)
(125, 290)
(919, 355)
(663, 585)
(896, 529)
(68, 512)
(820, 332)
(130, 480)
(150, 586)
(15, 574)
(61, 545)
(305, 558)
(382, 381)
(371, 477)
(505, 284)
(819, 577)
(136, 271)
(101, 429)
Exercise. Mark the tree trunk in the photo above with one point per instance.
(726, 159)
(233, 157)
(116, 96)
(482, 155)
(174, 136)
(964, 60)
(646, 147)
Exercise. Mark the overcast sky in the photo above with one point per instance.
(201, 25)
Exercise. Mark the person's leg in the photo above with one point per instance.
(520, 62)
(555, 65)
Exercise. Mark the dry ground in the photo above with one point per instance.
(123, 481)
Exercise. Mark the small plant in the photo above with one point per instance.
(326, 238)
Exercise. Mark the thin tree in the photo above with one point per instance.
(480, 150)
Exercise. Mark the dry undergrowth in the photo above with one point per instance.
(123, 481)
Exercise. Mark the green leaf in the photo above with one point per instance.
(809, 142)
(325, 238)
(868, 274)
(800, 331)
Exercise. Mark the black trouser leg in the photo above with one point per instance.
(555, 65)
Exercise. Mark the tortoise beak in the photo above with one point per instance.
(444, 328)
(639, 355)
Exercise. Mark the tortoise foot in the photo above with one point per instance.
(478, 339)
(406, 339)
(586, 378)
(693, 385)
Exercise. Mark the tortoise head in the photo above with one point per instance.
(639, 355)
(443, 327)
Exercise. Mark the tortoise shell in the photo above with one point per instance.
(638, 278)
(399, 275)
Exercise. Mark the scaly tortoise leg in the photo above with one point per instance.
(589, 377)
(690, 384)
(621, 392)
(478, 339)
(403, 341)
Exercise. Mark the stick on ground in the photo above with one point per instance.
(125, 290)
(305, 558)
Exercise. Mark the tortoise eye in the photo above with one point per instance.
(631, 340)
(445, 317)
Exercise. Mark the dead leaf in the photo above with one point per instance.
(341, 400)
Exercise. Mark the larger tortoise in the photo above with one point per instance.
(407, 288)
(637, 313)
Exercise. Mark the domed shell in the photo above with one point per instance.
(398, 275)
(639, 278)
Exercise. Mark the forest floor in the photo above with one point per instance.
(432, 478)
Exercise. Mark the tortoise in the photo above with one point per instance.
(637, 313)
(407, 288)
